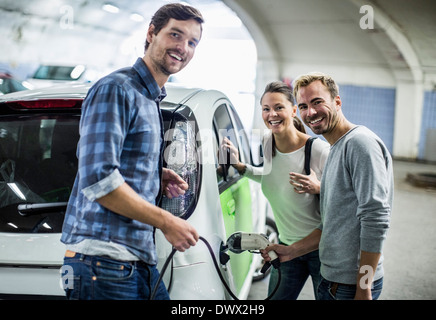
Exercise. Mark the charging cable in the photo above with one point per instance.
(170, 257)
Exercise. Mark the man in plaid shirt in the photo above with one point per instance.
(111, 215)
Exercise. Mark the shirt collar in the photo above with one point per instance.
(149, 82)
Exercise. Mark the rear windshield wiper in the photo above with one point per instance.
(26, 209)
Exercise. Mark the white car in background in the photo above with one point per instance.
(50, 75)
(38, 138)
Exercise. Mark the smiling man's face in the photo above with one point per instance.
(173, 47)
(318, 110)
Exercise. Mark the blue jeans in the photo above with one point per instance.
(100, 278)
(294, 276)
(345, 291)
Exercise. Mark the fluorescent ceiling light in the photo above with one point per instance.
(12, 225)
(16, 190)
(77, 71)
(47, 226)
(110, 8)
(136, 17)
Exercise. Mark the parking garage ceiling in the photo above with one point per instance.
(329, 32)
(70, 31)
(290, 31)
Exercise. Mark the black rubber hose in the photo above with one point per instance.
(217, 269)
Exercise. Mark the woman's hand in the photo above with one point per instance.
(227, 145)
(305, 183)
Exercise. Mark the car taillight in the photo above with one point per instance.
(46, 104)
(181, 156)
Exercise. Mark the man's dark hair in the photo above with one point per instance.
(176, 11)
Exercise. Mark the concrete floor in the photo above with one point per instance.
(410, 248)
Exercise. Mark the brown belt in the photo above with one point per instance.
(70, 254)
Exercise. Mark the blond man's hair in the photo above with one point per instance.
(326, 80)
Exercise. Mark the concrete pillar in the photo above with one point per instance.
(408, 116)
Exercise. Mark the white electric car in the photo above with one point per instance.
(38, 138)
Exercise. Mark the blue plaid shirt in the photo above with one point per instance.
(121, 138)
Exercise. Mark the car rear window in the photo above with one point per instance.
(38, 165)
(38, 162)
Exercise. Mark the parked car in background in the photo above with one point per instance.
(49, 75)
(10, 84)
(38, 138)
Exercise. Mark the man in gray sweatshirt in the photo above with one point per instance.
(356, 197)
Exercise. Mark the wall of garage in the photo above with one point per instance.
(373, 107)
(368, 94)
(386, 72)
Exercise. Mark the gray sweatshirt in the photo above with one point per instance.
(356, 202)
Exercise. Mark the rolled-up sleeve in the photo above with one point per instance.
(102, 132)
(103, 187)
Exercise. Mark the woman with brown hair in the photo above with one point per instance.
(291, 193)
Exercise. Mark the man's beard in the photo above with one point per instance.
(164, 67)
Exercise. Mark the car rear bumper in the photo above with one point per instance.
(30, 283)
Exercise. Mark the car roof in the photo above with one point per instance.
(72, 90)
